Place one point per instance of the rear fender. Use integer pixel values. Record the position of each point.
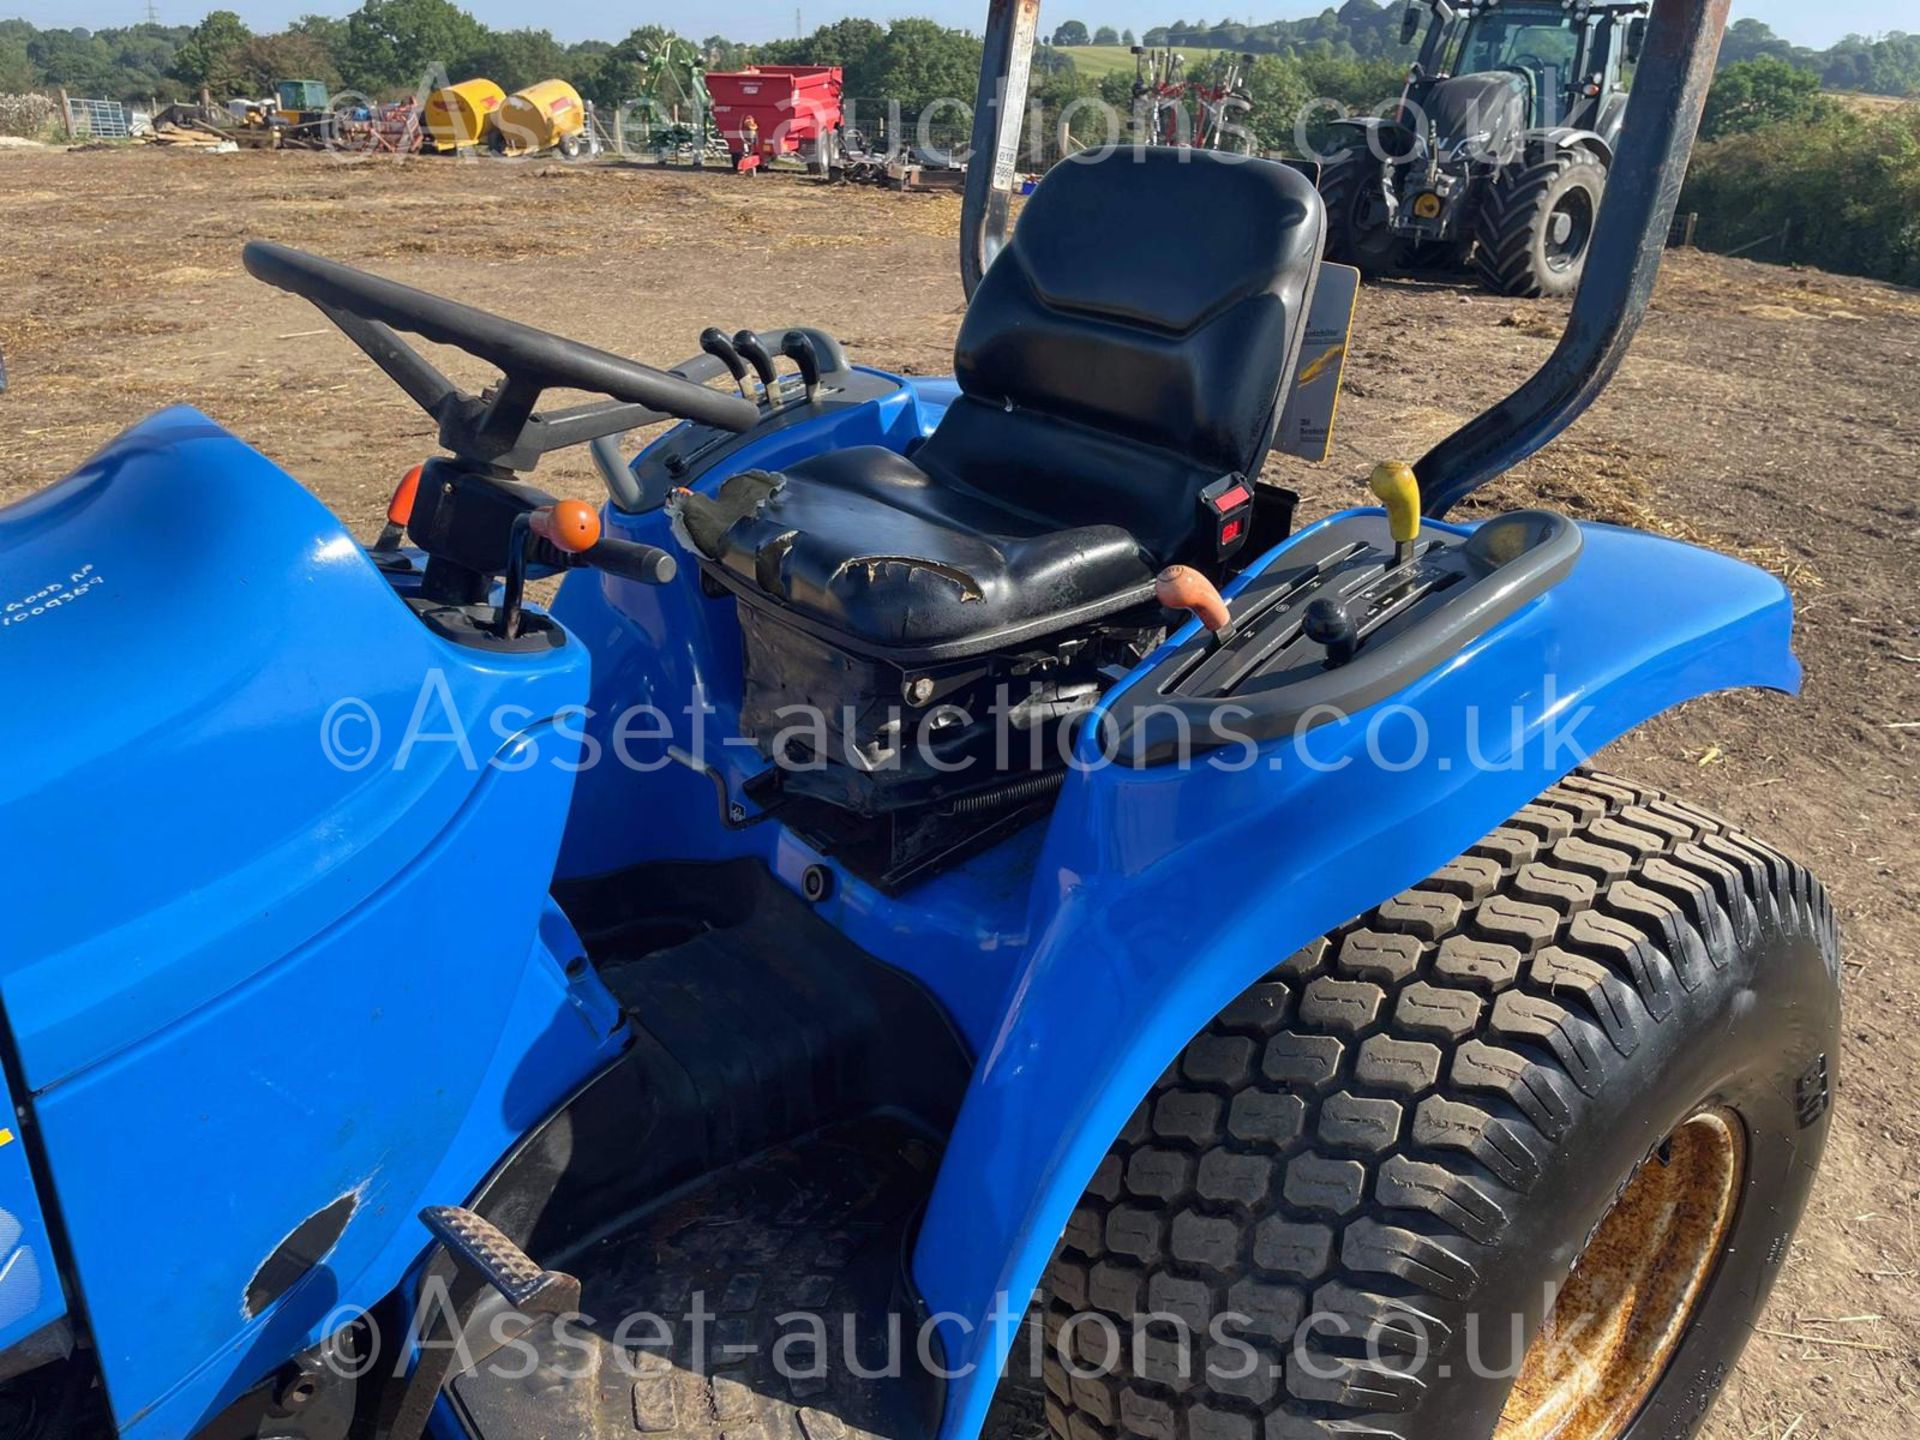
(1163, 892)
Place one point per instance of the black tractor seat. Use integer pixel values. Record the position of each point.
(872, 545)
(1108, 377)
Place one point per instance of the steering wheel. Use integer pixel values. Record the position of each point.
(499, 428)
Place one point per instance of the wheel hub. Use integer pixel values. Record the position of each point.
(1633, 1292)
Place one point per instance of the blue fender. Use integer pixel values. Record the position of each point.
(1161, 893)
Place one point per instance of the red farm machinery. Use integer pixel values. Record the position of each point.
(766, 112)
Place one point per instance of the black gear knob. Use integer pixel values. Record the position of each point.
(755, 354)
(797, 347)
(714, 341)
(1328, 623)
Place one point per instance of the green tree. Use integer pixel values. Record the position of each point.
(1753, 94)
(1838, 191)
(77, 60)
(392, 45)
(17, 72)
(854, 45)
(920, 62)
(515, 59)
(1751, 39)
(1071, 32)
(263, 61)
(326, 31)
(1126, 38)
(210, 58)
(142, 55)
(1106, 35)
(1280, 92)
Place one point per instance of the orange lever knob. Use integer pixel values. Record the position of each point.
(400, 507)
(569, 525)
(1181, 587)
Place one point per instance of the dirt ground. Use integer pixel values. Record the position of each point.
(1766, 412)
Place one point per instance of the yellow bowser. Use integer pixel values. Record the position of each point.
(460, 115)
(547, 116)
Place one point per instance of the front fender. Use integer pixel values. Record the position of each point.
(1405, 147)
(1572, 138)
(1163, 892)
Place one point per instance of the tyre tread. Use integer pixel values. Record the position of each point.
(1354, 1134)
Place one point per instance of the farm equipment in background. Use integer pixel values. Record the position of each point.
(392, 128)
(770, 112)
(459, 117)
(1498, 155)
(300, 102)
(1174, 107)
(547, 116)
(1158, 93)
(951, 843)
(1219, 94)
(677, 119)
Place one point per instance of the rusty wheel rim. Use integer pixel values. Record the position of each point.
(1634, 1291)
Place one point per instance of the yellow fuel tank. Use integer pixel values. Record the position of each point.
(459, 115)
(546, 116)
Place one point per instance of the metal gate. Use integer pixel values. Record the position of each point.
(99, 119)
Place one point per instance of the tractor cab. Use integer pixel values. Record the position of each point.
(1565, 59)
(299, 102)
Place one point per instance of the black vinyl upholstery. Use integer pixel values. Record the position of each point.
(1130, 346)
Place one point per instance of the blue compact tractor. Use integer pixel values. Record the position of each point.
(958, 918)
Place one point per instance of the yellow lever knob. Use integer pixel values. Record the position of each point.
(1397, 489)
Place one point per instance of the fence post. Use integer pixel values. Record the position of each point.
(66, 114)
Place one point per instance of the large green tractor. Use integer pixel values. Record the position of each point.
(1496, 154)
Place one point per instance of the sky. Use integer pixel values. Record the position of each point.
(1816, 25)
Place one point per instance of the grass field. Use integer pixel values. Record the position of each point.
(1099, 61)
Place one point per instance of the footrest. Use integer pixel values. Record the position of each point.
(483, 1253)
(689, 1302)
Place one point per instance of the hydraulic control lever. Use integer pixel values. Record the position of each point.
(714, 341)
(570, 530)
(755, 354)
(399, 510)
(1181, 587)
(798, 348)
(1396, 487)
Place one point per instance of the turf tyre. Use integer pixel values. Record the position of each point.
(1415, 1123)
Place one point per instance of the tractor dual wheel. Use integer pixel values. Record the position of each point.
(1516, 1154)
(1533, 234)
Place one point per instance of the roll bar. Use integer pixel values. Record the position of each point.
(999, 113)
(1643, 192)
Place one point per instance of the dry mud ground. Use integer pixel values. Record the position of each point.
(1767, 412)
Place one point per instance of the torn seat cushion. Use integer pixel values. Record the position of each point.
(867, 542)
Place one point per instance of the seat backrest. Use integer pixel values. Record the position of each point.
(1158, 296)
